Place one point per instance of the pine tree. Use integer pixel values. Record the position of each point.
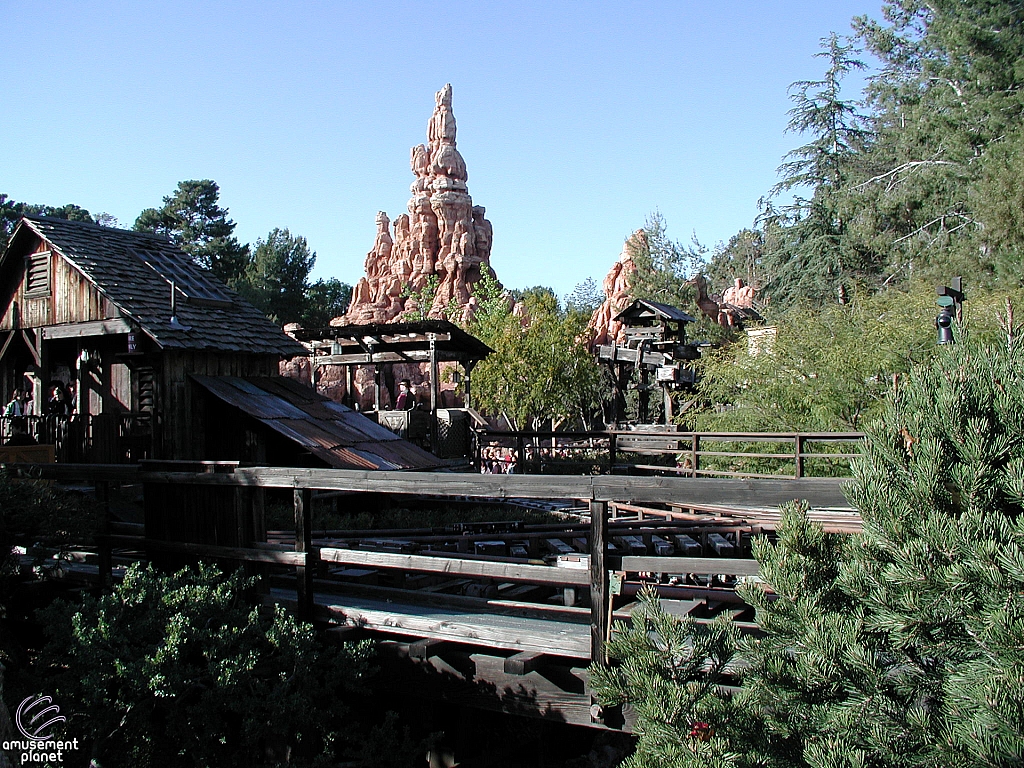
(900, 646)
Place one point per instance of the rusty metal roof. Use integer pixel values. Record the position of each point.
(330, 431)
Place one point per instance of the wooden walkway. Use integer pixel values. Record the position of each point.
(536, 603)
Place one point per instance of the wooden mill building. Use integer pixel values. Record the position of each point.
(123, 320)
(654, 346)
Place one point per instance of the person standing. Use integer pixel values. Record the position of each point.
(13, 413)
(405, 401)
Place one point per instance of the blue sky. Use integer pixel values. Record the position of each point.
(576, 119)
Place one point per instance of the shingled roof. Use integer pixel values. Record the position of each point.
(133, 271)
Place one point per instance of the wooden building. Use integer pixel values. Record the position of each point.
(654, 344)
(381, 346)
(122, 319)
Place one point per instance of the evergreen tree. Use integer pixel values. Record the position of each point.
(816, 260)
(663, 265)
(585, 298)
(325, 300)
(276, 278)
(193, 219)
(900, 646)
(11, 211)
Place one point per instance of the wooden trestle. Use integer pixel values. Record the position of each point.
(505, 615)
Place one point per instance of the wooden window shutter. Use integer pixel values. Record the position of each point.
(37, 274)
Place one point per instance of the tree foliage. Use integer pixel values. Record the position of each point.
(894, 647)
(192, 218)
(276, 279)
(915, 179)
(11, 211)
(185, 670)
(325, 300)
(541, 368)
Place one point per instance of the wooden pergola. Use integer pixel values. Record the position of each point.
(429, 342)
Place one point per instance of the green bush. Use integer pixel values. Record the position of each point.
(185, 670)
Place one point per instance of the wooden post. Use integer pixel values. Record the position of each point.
(105, 555)
(600, 600)
(303, 498)
(350, 386)
(695, 455)
(799, 452)
(611, 452)
(468, 368)
(434, 442)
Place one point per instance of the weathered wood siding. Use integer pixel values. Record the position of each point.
(75, 299)
(183, 429)
(70, 298)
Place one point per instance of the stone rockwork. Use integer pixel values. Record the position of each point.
(442, 235)
(604, 329)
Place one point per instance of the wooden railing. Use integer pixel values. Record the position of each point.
(597, 491)
(692, 454)
(117, 437)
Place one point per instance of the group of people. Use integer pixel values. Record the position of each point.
(495, 460)
(21, 406)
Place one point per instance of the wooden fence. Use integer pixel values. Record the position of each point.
(245, 484)
(692, 454)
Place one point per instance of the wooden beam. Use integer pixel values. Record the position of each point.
(732, 566)
(7, 343)
(434, 391)
(533, 574)
(627, 355)
(600, 599)
(522, 663)
(109, 327)
(681, 491)
(31, 347)
(412, 355)
(210, 550)
(424, 649)
(303, 502)
(513, 633)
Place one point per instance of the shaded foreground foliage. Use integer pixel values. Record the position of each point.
(900, 646)
(185, 669)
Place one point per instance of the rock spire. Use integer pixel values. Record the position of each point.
(604, 329)
(443, 234)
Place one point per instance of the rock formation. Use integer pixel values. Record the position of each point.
(733, 309)
(443, 234)
(603, 327)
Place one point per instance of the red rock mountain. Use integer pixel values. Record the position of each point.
(443, 234)
(603, 327)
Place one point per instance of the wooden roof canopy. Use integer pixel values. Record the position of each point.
(408, 342)
(645, 313)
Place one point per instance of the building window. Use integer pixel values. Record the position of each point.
(37, 274)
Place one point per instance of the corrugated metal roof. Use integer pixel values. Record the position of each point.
(109, 258)
(330, 431)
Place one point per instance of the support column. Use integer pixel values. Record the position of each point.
(434, 443)
(303, 499)
(599, 597)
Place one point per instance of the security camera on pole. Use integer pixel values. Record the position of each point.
(950, 300)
